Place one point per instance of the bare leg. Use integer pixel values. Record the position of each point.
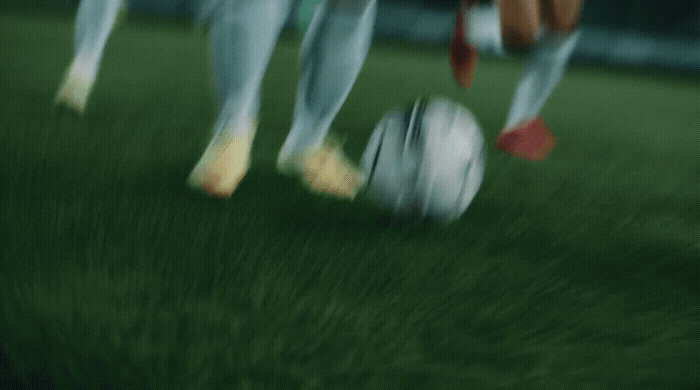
(520, 22)
(562, 16)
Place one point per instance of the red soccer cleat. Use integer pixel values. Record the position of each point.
(531, 140)
(463, 56)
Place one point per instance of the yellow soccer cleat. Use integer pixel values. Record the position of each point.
(80, 76)
(223, 164)
(75, 89)
(325, 169)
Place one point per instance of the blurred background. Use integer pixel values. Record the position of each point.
(662, 34)
(578, 272)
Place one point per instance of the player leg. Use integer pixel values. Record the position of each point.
(94, 23)
(243, 36)
(562, 16)
(520, 23)
(333, 52)
(525, 134)
(464, 55)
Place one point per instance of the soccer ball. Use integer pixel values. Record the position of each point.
(425, 160)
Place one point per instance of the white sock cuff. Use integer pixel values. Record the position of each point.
(483, 29)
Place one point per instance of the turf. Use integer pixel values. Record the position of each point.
(580, 272)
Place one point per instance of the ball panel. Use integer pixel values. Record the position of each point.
(370, 158)
(425, 160)
(449, 155)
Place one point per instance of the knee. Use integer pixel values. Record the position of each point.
(520, 23)
(563, 24)
(519, 39)
(562, 17)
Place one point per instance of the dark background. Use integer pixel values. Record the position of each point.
(669, 17)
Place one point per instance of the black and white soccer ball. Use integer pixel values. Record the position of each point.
(425, 160)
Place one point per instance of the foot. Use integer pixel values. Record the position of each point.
(75, 89)
(325, 169)
(223, 164)
(531, 140)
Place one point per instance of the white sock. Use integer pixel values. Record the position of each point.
(94, 23)
(333, 51)
(243, 37)
(541, 75)
(483, 29)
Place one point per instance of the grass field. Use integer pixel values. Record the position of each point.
(580, 272)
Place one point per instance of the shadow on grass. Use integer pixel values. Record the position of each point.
(607, 255)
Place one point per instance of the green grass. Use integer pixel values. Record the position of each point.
(580, 272)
